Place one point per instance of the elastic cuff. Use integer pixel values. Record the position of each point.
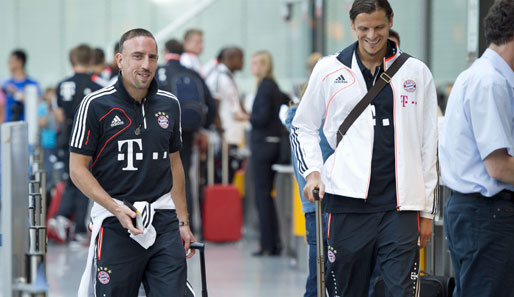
(426, 215)
(309, 171)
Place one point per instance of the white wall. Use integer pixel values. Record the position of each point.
(48, 29)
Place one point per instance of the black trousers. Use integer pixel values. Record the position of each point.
(264, 155)
(122, 264)
(357, 241)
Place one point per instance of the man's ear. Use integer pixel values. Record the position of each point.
(391, 20)
(119, 58)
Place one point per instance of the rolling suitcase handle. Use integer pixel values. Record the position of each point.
(224, 162)
(201, 247)
(319, 244)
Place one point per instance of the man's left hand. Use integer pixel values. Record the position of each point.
(187, 237)
(201, 140)
(425, 231)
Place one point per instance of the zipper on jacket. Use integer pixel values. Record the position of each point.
(140, 124)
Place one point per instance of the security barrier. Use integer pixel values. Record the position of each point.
(23, 233)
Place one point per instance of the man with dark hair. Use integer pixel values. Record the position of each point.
(101, 72)
(111, 71)
(193, 47)
(14, 88)
(193, 85)
(125, 156)
(379, 185)
(70, 92)
(232, 116)
(477, 164)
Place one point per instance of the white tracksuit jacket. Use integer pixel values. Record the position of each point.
(336, 85)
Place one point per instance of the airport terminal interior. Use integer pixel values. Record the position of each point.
(446, 35)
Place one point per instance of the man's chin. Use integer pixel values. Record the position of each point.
(372, 52)
(144, 84)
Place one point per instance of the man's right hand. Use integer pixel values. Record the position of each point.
(313, 182)
(125, 216)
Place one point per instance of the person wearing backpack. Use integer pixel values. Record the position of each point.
(196, 104)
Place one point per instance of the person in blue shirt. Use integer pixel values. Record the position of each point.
(477, 164)
(14, 88)
(48, 130)
(309, 209)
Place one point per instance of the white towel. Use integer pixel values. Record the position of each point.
(146, 240)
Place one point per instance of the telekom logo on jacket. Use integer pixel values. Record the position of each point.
(130, 152)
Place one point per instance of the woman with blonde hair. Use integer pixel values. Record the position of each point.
(265, 147)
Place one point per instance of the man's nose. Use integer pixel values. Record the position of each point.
(372, 33)
(146, 63)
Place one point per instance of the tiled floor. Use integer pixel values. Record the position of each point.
(231, 271)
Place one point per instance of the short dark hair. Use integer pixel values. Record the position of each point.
(192, 32)
(98, 56)
(20, 55)
(135, 33)
(229, 53)
(394, 34)
(174, 47)
(370, 6)
(117, 47)
(219, 57)
(499, 22)
(81, 55)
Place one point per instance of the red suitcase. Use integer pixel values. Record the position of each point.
(222, 218)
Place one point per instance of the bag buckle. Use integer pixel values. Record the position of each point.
(385, 77)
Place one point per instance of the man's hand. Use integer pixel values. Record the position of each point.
(201, 141)
(425, 231)
(125, 216)
(187, 237)
(313, 182)
(241, 116)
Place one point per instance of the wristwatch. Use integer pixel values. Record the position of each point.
(183, 223)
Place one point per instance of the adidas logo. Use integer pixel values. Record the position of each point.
(116, 122)
(340, 79)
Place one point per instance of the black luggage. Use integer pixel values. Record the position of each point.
(322, 291)
(431, 286)
(189, 290)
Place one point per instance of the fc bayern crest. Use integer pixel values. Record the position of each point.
(331, 256)
(409, 85)
(104, 277)
(163, 121)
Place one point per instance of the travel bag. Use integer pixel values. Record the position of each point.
(222, 218)
(189, 290)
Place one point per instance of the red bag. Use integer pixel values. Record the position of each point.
(222, 218)
(222, 213)
(56, 200)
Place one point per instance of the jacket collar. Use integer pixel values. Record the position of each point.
(346, 55)
(152, 90)
(173, 62)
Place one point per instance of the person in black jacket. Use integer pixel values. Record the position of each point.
(191, 134)
(265, 148)
(70, 93)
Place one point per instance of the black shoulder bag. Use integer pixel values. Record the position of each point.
(385, 78)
